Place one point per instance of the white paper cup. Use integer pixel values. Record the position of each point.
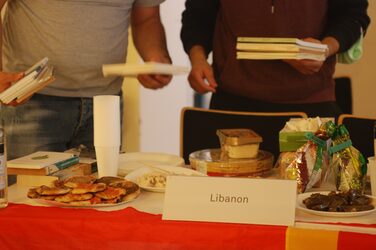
(107, 134)
(106, 120)
(372, 174)
(107, 161)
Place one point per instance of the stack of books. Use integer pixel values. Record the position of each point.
(45, 166)
(41, 163)
(35, 78)
(274, 48)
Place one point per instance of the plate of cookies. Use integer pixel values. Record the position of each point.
(86, 191)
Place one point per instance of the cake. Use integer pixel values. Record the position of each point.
(239, 143)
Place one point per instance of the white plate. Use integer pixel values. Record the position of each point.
(302, 207)
(62, 204)
(134, 175)
(129, 162)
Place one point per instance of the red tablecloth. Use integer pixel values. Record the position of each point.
(33, 227)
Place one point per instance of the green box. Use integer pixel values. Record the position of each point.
(291, 141)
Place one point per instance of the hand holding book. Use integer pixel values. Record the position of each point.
(6, 79)
(34, 79)
(275, 48)
(308, 67)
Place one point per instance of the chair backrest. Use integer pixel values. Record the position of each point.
(343, 94)
(361, 131)
(198, 128)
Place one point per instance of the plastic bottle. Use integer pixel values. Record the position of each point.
(3, 173)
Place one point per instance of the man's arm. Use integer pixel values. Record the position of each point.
(2, 3)
(149, 35)
(345, 20)
(150, 41)
(6, 79)
(198, 23)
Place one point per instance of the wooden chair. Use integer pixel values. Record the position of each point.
(361, 131)
(198, 128)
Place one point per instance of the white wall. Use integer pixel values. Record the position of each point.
(160, 110)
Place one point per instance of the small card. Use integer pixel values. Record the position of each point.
(233, 200)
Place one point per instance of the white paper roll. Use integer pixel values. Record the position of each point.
(106, 120)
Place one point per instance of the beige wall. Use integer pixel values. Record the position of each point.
(363, 72)
(131, 112)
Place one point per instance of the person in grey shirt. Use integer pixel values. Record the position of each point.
(78, 37)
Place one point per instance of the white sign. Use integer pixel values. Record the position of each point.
(234, 200)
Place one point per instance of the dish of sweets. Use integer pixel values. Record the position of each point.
(336, 204)
(153, 178)
(86, 191)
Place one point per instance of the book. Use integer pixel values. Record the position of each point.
(273, 48)
(41, 163)
(35, 78)
(278, 47)
(38, 180)
(133, 70)
(278, 56)
(281, 40)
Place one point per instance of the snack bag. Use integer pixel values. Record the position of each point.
(311, 159)
(347, 164)
(293, 136)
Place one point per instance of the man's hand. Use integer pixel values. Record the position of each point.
(150, 41)
(6, 79)
(201, 78)
(153, 81)
(305, 66)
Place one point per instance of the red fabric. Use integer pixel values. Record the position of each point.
(31, 227)
(352, 241)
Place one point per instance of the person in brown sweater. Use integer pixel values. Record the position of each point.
(269, 85)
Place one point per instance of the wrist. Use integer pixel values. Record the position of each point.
(159, 58)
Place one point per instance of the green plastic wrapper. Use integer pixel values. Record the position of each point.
(348, 166)
(353, 54)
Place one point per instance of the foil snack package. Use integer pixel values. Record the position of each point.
(311, 160)
(348, 166)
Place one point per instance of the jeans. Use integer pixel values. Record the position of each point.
(48, 123)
